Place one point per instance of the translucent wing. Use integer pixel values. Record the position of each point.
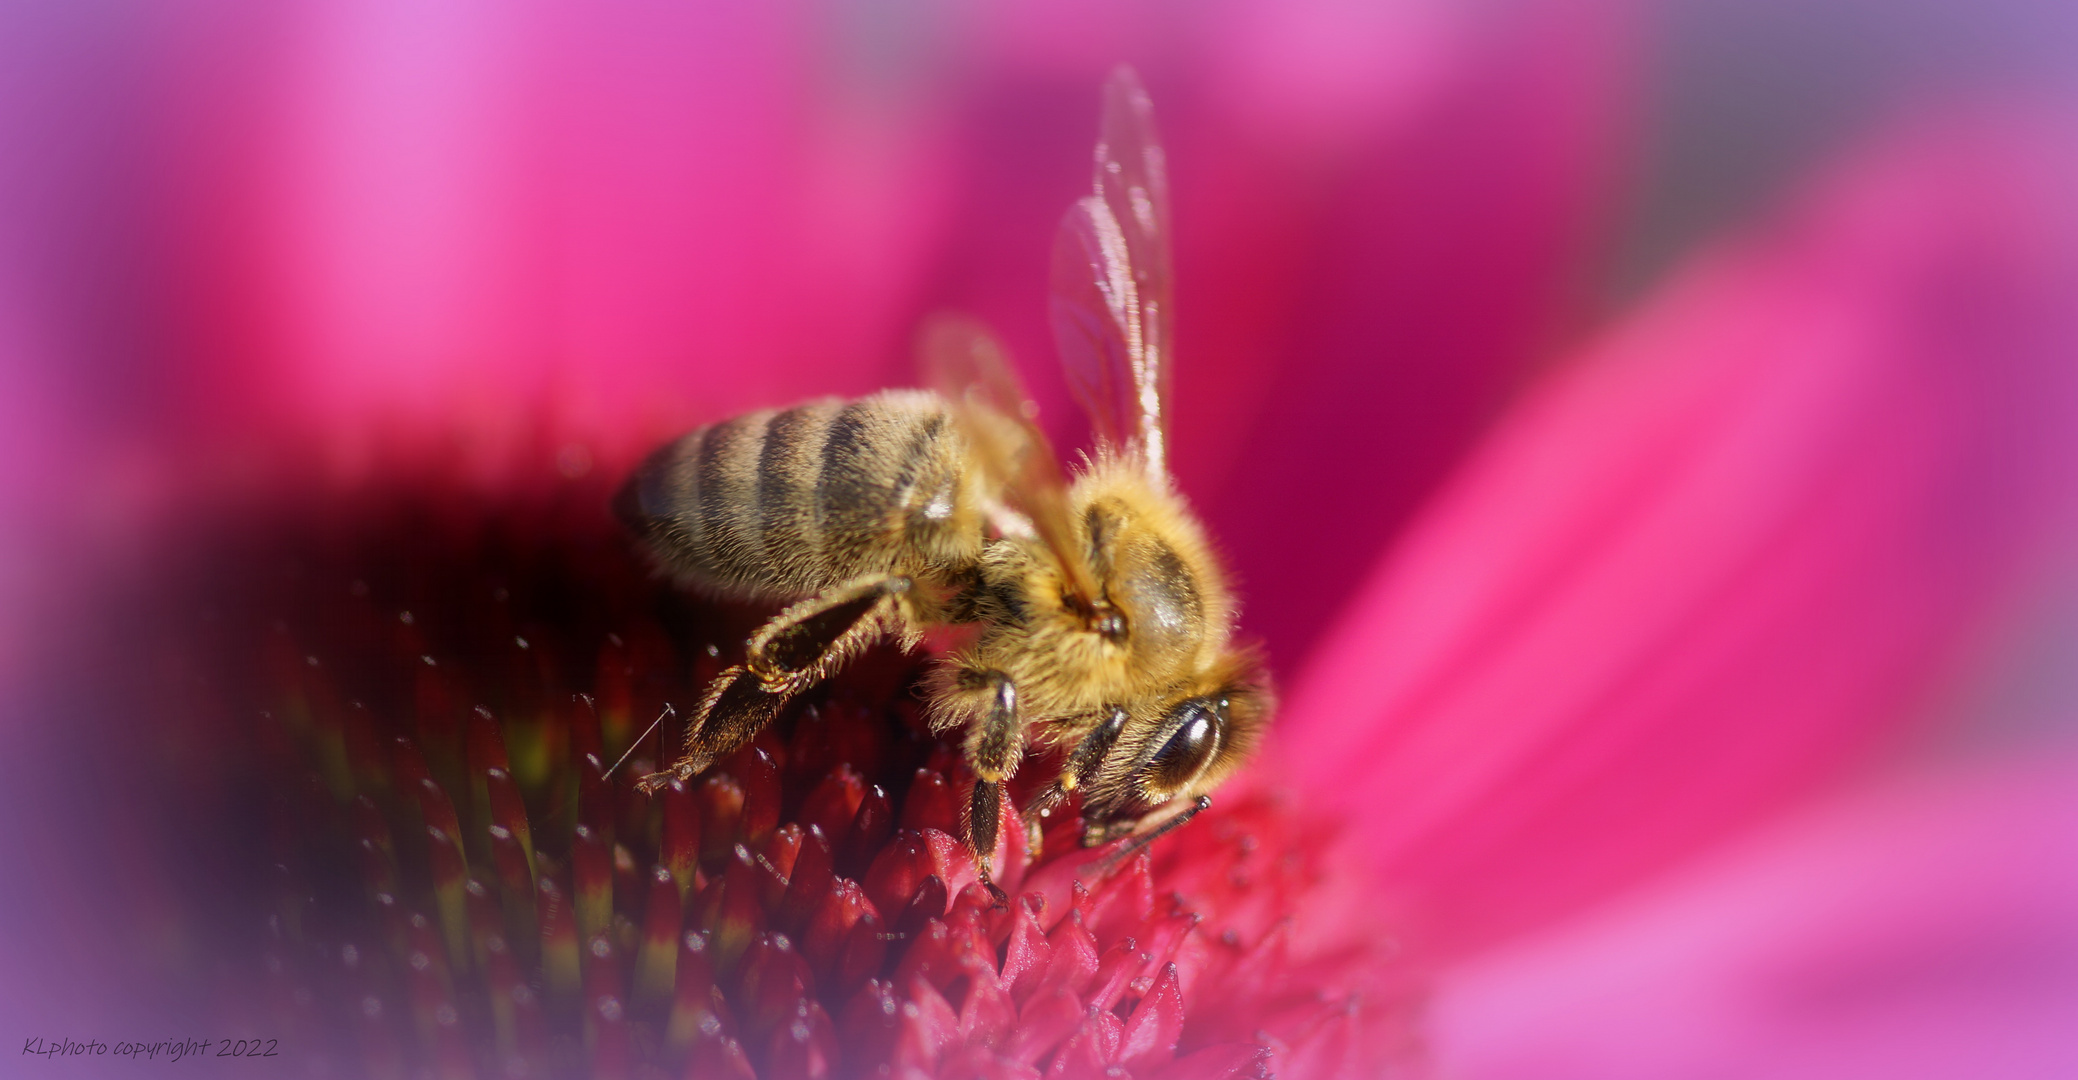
(1112, 274)
(966, 365)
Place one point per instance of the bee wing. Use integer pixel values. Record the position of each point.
(964, 363)
(1111, 289)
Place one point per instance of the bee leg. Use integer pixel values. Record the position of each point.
(1039, 809)
(735, 708)
(995, 740)
(797, 648)
(1081, 765)
(809, 641)
(1173, 822)
(984, 814)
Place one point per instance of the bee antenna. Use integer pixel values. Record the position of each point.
(668, 711)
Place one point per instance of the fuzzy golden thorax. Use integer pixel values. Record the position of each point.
(1163, 613)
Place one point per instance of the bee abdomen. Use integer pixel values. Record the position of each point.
(799, 500)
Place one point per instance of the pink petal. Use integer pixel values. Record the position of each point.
(1156, 1024)
(1366, 336)
(1713, 557)
(465, 215)
(1926, 927)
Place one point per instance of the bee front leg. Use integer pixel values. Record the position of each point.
(1081, 765)
(995, 741)
(809, 641)
(1153, 827)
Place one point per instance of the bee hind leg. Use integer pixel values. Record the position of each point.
(809, 641)
(736, 706)
(797, 648)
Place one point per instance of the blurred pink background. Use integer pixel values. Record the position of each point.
(1644, 431)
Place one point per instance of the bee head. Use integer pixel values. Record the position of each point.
(1185, 749)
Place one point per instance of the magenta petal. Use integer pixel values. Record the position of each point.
(1924, 928)
(1715, 555)
(1338, 355)
(470, 216)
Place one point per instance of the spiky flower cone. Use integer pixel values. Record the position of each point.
(466, 885)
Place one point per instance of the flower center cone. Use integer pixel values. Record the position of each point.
(442, 700)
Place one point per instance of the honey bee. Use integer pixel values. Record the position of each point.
(1105, 622)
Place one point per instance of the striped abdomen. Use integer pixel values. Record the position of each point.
(796, 501)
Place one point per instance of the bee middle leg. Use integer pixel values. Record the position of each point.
(995, 742)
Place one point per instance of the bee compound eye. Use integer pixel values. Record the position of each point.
(1189, 747)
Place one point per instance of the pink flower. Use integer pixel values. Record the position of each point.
(1729, 542)
(1706, 568)
(1916, 927)
(401, 289)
